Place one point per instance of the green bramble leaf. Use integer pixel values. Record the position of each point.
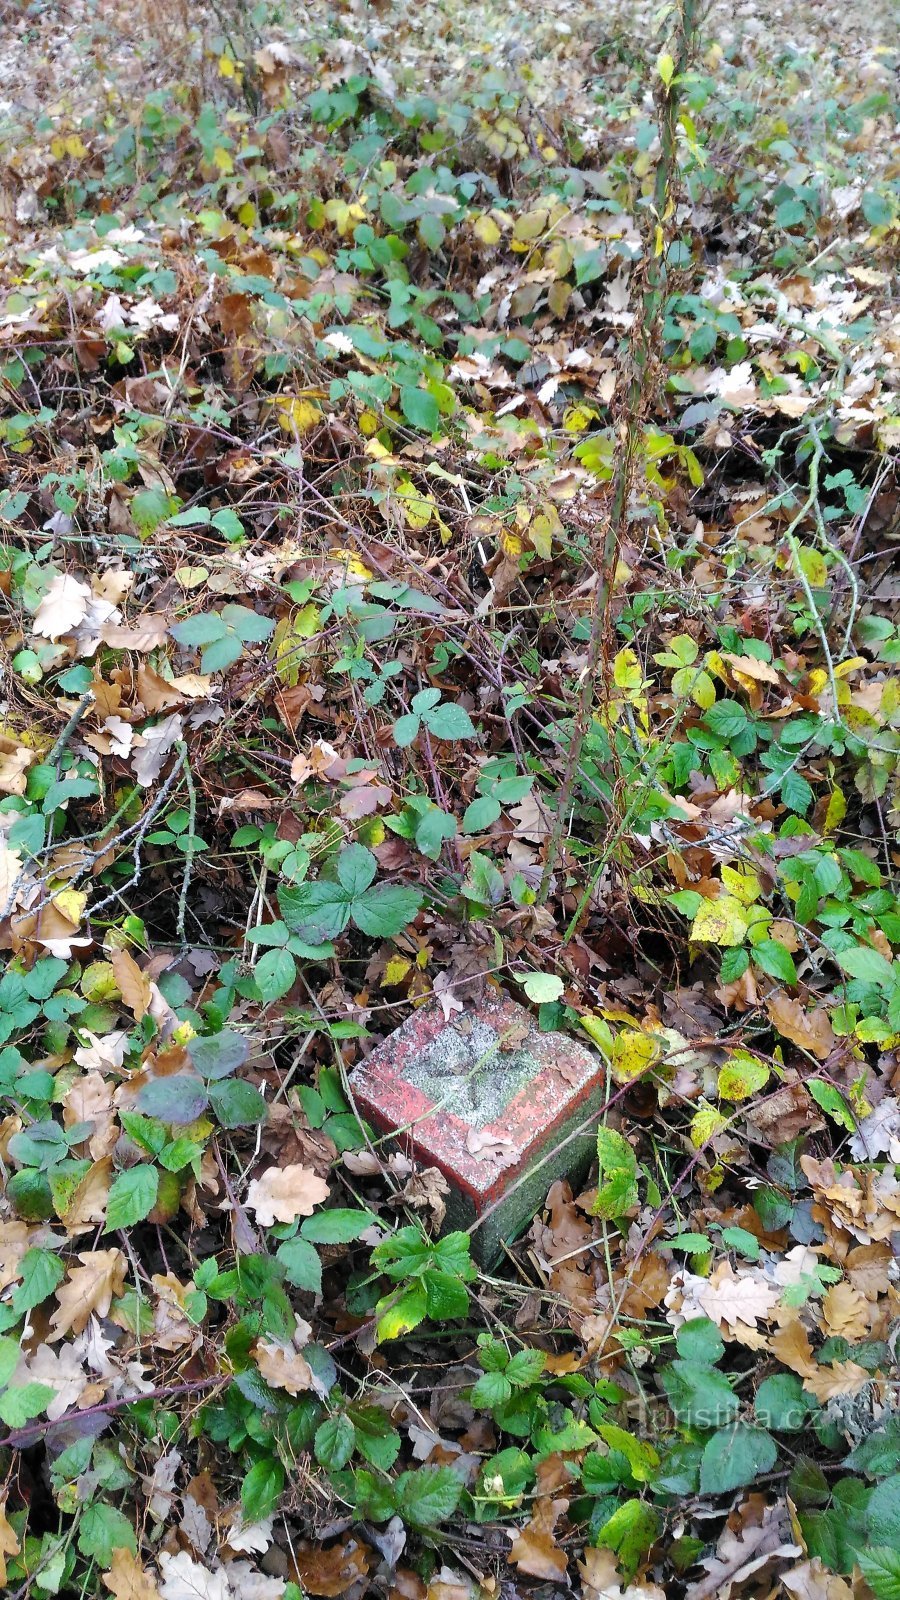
(131, 1197)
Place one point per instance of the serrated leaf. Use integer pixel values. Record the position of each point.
(735, 1456)
(274, 974)
(335, 1442)
(385, 910)
(428, 1496)
(132, 1197)
(338, 1226)
(261, 1490)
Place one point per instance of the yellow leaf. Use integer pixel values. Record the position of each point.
(543, 528)
(836, 811)
(223, 161)
(288, 639)
(395, 971)
(354, 567)
(530, 225)
(71, 903)
(706, 1122)
(743, 884)
(9, 1544)
(511, 544)
(742, 1076)
(633, 1052)
(227, 67)
(296, 415)
(722, 922)
(665, 66)
(599, 1030)
(627, 672)
(485, 229)
(418, 508)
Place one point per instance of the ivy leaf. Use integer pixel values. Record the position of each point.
(132, 1197)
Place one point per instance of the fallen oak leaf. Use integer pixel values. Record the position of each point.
(88, 1290)
(284, 1193)
(62, 608)
(282, 1366)
(810, 1030)
(126, 1578)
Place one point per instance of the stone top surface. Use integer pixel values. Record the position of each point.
(477, 1095)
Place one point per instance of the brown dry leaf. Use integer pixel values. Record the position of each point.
(14, 1240)
(810, 1581)
(133, 984)
(63, 607)
(534, 1549)
(790, 1344)
(127, 1579)
(747, 1544)
(283, 1367)
(486, 1146)
(90, 1100)
(329, 1572)
(88, 1290)
(87, 1205)
(284, 1193)
(9, 1544)
(600, 1579)
(425, 1191)
(144, 633)
(784, 1115)
(811, 1030)
(846, 1312)
(15, 759)
(731, 1300)
(844, 1377)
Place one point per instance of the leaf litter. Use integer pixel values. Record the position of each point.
(448, 543)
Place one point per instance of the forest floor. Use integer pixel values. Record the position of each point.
(449, 528)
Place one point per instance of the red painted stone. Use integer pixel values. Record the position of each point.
(485, 1097)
